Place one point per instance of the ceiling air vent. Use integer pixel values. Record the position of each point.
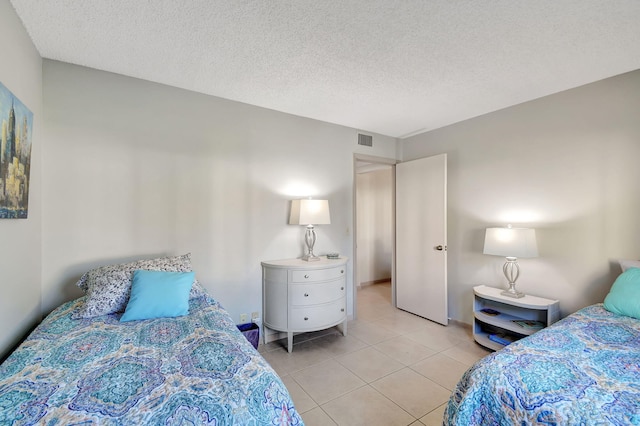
(365, 140)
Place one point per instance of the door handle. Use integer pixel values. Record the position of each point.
(441, 247)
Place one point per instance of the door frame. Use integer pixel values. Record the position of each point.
(377, 161)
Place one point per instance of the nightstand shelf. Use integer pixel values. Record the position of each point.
(505, 322)
(529, 308)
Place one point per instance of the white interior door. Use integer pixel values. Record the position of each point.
(421, 237)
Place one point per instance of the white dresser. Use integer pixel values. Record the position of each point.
(301, 296)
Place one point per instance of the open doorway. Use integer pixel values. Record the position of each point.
(418, 220)
(374, 233)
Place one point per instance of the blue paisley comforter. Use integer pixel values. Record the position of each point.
(196, 369)
(583, 370)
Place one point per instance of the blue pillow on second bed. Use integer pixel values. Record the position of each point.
(158, 294)
(624, 296)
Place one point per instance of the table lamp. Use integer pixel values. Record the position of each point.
(511, 243)
(310, 212)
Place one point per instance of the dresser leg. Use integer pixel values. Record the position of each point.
(343, 327)
(289, 341)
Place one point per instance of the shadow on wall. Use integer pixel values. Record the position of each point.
(599, 287)
(382, 256)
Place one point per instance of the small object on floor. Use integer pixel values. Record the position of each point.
(252, 333)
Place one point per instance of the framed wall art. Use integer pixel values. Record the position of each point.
(16, 122)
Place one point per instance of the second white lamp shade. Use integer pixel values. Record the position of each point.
(511, 242)
(310, 212)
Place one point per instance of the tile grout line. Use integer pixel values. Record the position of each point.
(376, 322)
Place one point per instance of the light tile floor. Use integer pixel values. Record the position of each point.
(392, 368)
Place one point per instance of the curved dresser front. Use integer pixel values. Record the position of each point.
(301, 296)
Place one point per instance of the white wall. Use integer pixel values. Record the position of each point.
(137, 169)
(375, 227)
(20, 258)
(567, 165)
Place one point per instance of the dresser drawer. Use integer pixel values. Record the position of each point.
(316, 317)
(315, 294)
(311, 275)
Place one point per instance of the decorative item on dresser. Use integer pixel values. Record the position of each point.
(500, 320)
(299, 296)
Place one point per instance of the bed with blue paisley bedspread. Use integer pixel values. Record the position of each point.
(197, 369)
(582, 370)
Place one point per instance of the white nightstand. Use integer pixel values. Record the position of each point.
(301, 296)
(510, 311)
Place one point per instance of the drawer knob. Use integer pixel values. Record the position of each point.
(342, 271)
(341, 288)
(306, 318)
(342, 310)
(306, 295)
(306, 275)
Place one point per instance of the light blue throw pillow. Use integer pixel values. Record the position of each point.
(158, 294)
(624, 296)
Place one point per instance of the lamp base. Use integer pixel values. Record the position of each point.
(310, 257)
(515, 294)
(310, 240)
(511, 272)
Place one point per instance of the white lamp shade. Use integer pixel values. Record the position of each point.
(310, 212)
(511, 242)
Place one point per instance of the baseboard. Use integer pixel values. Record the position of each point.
(460, 324)
(366, 283)
(273, 336)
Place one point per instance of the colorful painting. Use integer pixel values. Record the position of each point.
(15, 155)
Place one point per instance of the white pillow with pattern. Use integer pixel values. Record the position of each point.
(108, 287)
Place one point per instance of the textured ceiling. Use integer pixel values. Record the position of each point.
(396, 67)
